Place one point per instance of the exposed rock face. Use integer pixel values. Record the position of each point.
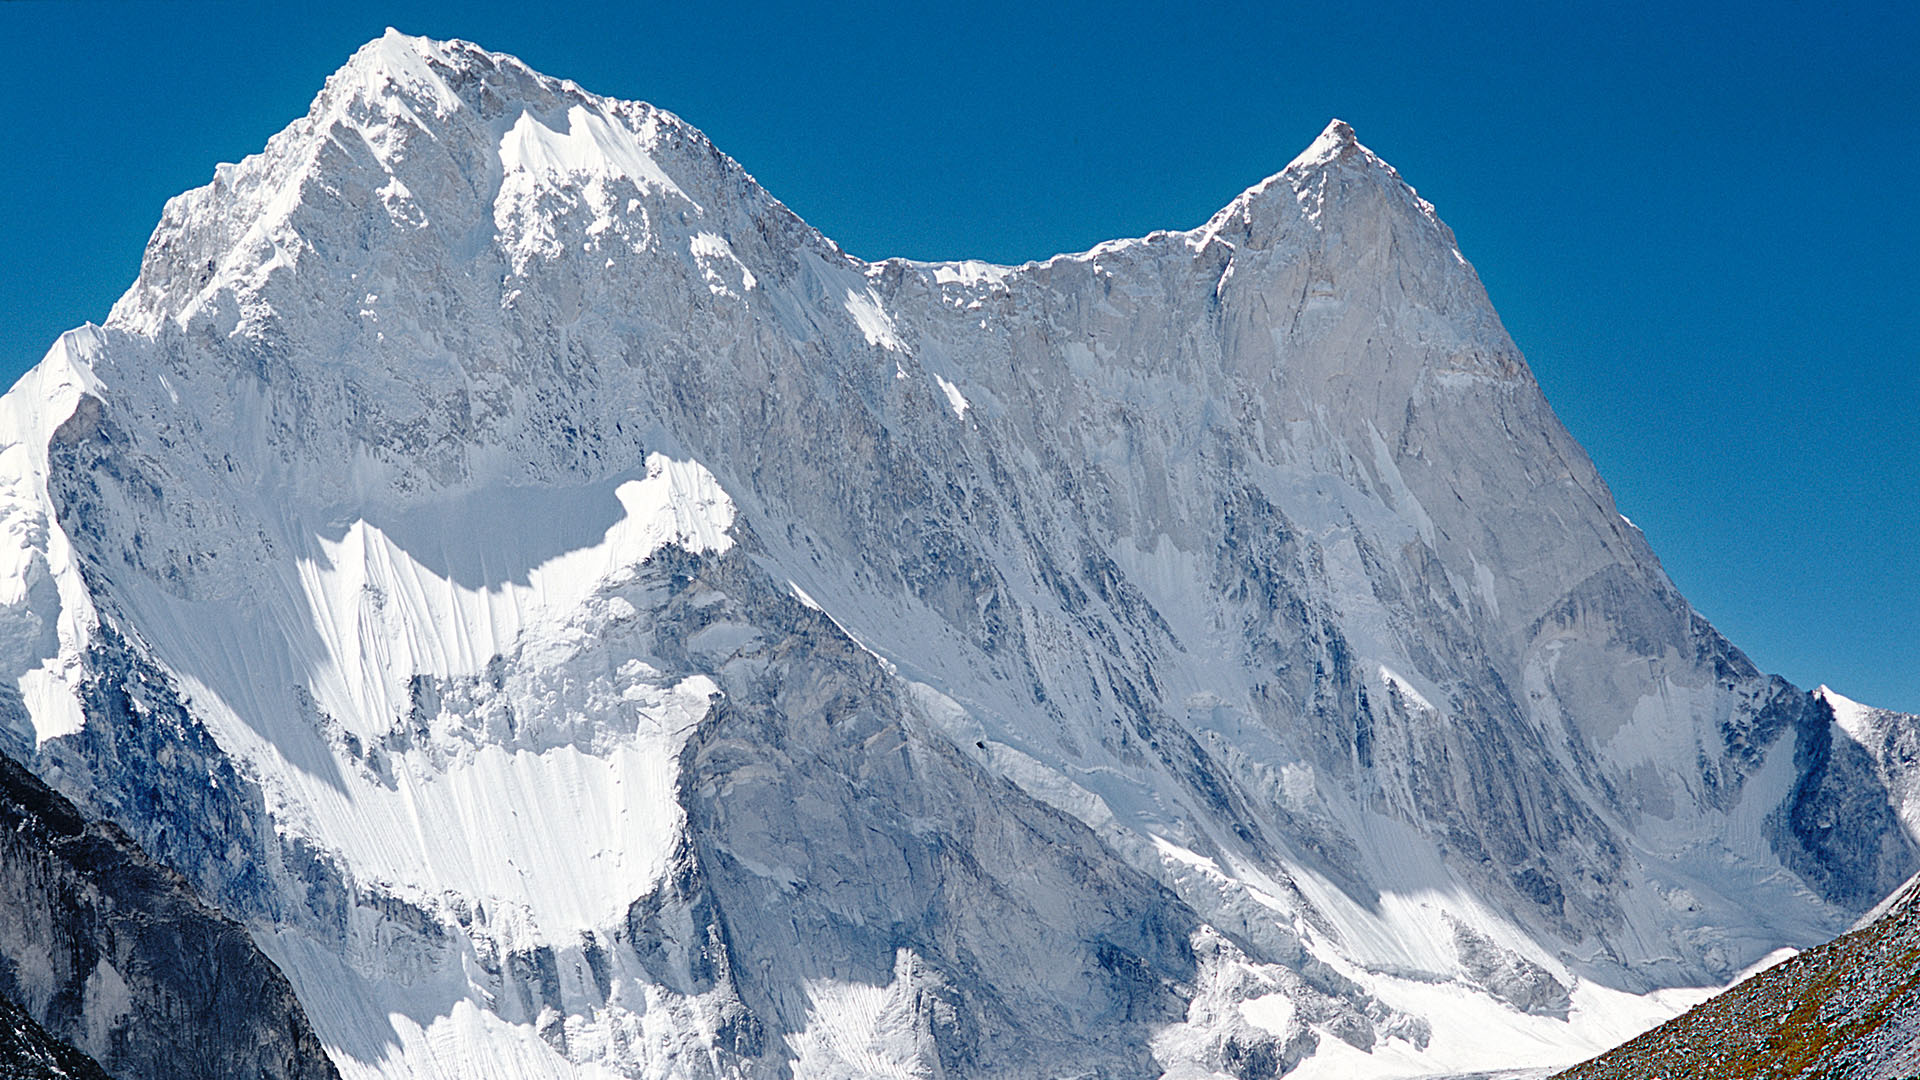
(29, 1052)
(103, 950)
(577, 617)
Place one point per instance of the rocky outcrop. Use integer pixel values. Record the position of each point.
(29, 1052)
(107, 951)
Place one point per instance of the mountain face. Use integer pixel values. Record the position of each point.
(583, 623)
(1848, 1010)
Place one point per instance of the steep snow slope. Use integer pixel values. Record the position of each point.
(586, 624)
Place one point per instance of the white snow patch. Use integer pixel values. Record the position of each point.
(592, 145)
(955, 400)
(709, 248)
(708, 245)
(1854, 718)
(46, 613)
(470, 1041)
(971, 273)
(400, 204)
(858, 1030)
(1773, 959)
(949, 714)
(1472, 1031)
(1394, 681)
(548, 175)
(52, 701)
(568, 824)
(426, 622)
(1183, 855)
(874, 322)
(1271, 1012)
(569, 836)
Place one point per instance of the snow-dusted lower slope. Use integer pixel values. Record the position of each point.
(586, 624)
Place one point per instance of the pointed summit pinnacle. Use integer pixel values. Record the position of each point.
(1336, 143)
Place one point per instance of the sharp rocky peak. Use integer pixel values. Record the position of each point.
(414, 135)
(1333, 187)
(1336, 143)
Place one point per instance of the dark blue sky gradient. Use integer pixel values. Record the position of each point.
(1700, 225)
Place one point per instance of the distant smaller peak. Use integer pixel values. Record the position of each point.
(1335, 145)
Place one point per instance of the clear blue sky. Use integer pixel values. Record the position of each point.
(1700, 224)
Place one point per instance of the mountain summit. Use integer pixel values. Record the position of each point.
(1335, 143)
(583, 623)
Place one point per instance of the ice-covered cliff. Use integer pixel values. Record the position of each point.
(585, 624)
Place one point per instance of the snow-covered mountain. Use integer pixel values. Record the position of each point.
(586, 624)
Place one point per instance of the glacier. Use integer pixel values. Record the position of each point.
(583, 623)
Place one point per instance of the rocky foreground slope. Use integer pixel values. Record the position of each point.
(1847, 1010)
(583, 623)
